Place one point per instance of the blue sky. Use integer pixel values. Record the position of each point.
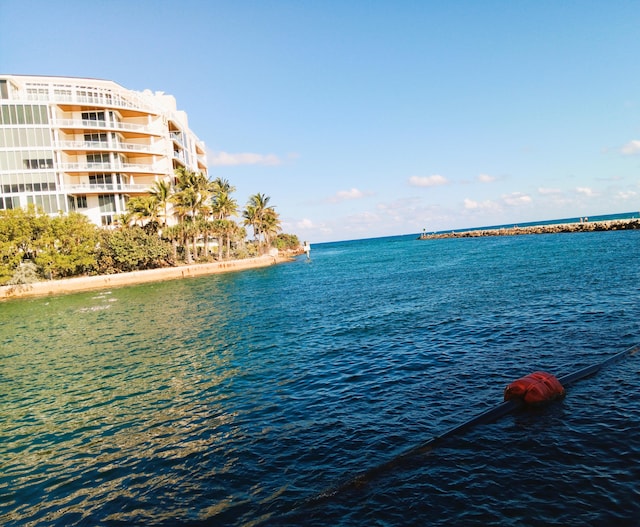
(363, 119)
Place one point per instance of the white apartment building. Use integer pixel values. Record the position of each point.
(88, 145)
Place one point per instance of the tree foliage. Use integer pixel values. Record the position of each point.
(68, 246)
(262, 218)
(34, 245)
(132, 249)
(286, 242)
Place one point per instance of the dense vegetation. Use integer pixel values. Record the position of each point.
(182, 223)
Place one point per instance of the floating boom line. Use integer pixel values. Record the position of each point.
(485, 417)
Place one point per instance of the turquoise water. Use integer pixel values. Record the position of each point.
(248, 398)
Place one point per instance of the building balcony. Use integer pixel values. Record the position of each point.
(177, 138)
(113, 188)
(83, 146)
(106, 100)
(81, 125)
(128, 168)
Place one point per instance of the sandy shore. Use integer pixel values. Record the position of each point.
(612, 225)
(88, 283)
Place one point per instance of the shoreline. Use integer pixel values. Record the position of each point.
(609, 225)
(91, 283)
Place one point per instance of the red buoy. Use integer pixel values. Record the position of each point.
(535, 389)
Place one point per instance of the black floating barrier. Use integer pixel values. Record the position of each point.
(486, 417)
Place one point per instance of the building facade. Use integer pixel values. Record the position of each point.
(88, 145)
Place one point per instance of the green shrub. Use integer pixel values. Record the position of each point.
(132, 249)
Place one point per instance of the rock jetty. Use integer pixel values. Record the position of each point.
(586, 226)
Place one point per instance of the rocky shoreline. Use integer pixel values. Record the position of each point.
(587, 226)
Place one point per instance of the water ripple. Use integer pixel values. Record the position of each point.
(250, 398)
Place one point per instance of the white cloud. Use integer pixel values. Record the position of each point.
(486, 178)
(427, 181)
(305, 223)
(549, 191)
(517, 198)
(586, 191)
(488, 205)
(632, 147)
(630, 194)
(245, 158)
(345, 195)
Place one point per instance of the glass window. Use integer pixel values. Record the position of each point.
(100, 179)
(95, 138)
(62, 92)
(23, 114)
(9, 203)
(107, 203)
(38, 163)
(28, 114)
(44, 117)
(106, 220)
(98, 158)
(93, 116)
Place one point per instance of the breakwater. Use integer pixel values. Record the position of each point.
(587, 226)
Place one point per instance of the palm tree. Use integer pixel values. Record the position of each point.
(123, 220)
(197, 189)
(191, 201)
(143, 209)
(254, 213)
(208, 229)
(188, 232)
(239, 235)
(218, 230)
(173, 233)
(223, 206)
(161, 192)
(250, 219)
(222, 186)
(271, 225)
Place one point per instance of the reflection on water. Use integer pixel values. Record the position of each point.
(238, 399)
(96, 386)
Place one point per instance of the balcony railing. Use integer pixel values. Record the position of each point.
(93, 125)
(108, 167)
(200, 148)
(106, 188)
(107, 100)
(101, 145)
(177, 137)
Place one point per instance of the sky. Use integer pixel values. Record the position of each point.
(362, 119)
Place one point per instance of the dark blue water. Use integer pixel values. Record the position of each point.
(249, 398)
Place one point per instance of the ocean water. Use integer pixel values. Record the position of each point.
(258, 397)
